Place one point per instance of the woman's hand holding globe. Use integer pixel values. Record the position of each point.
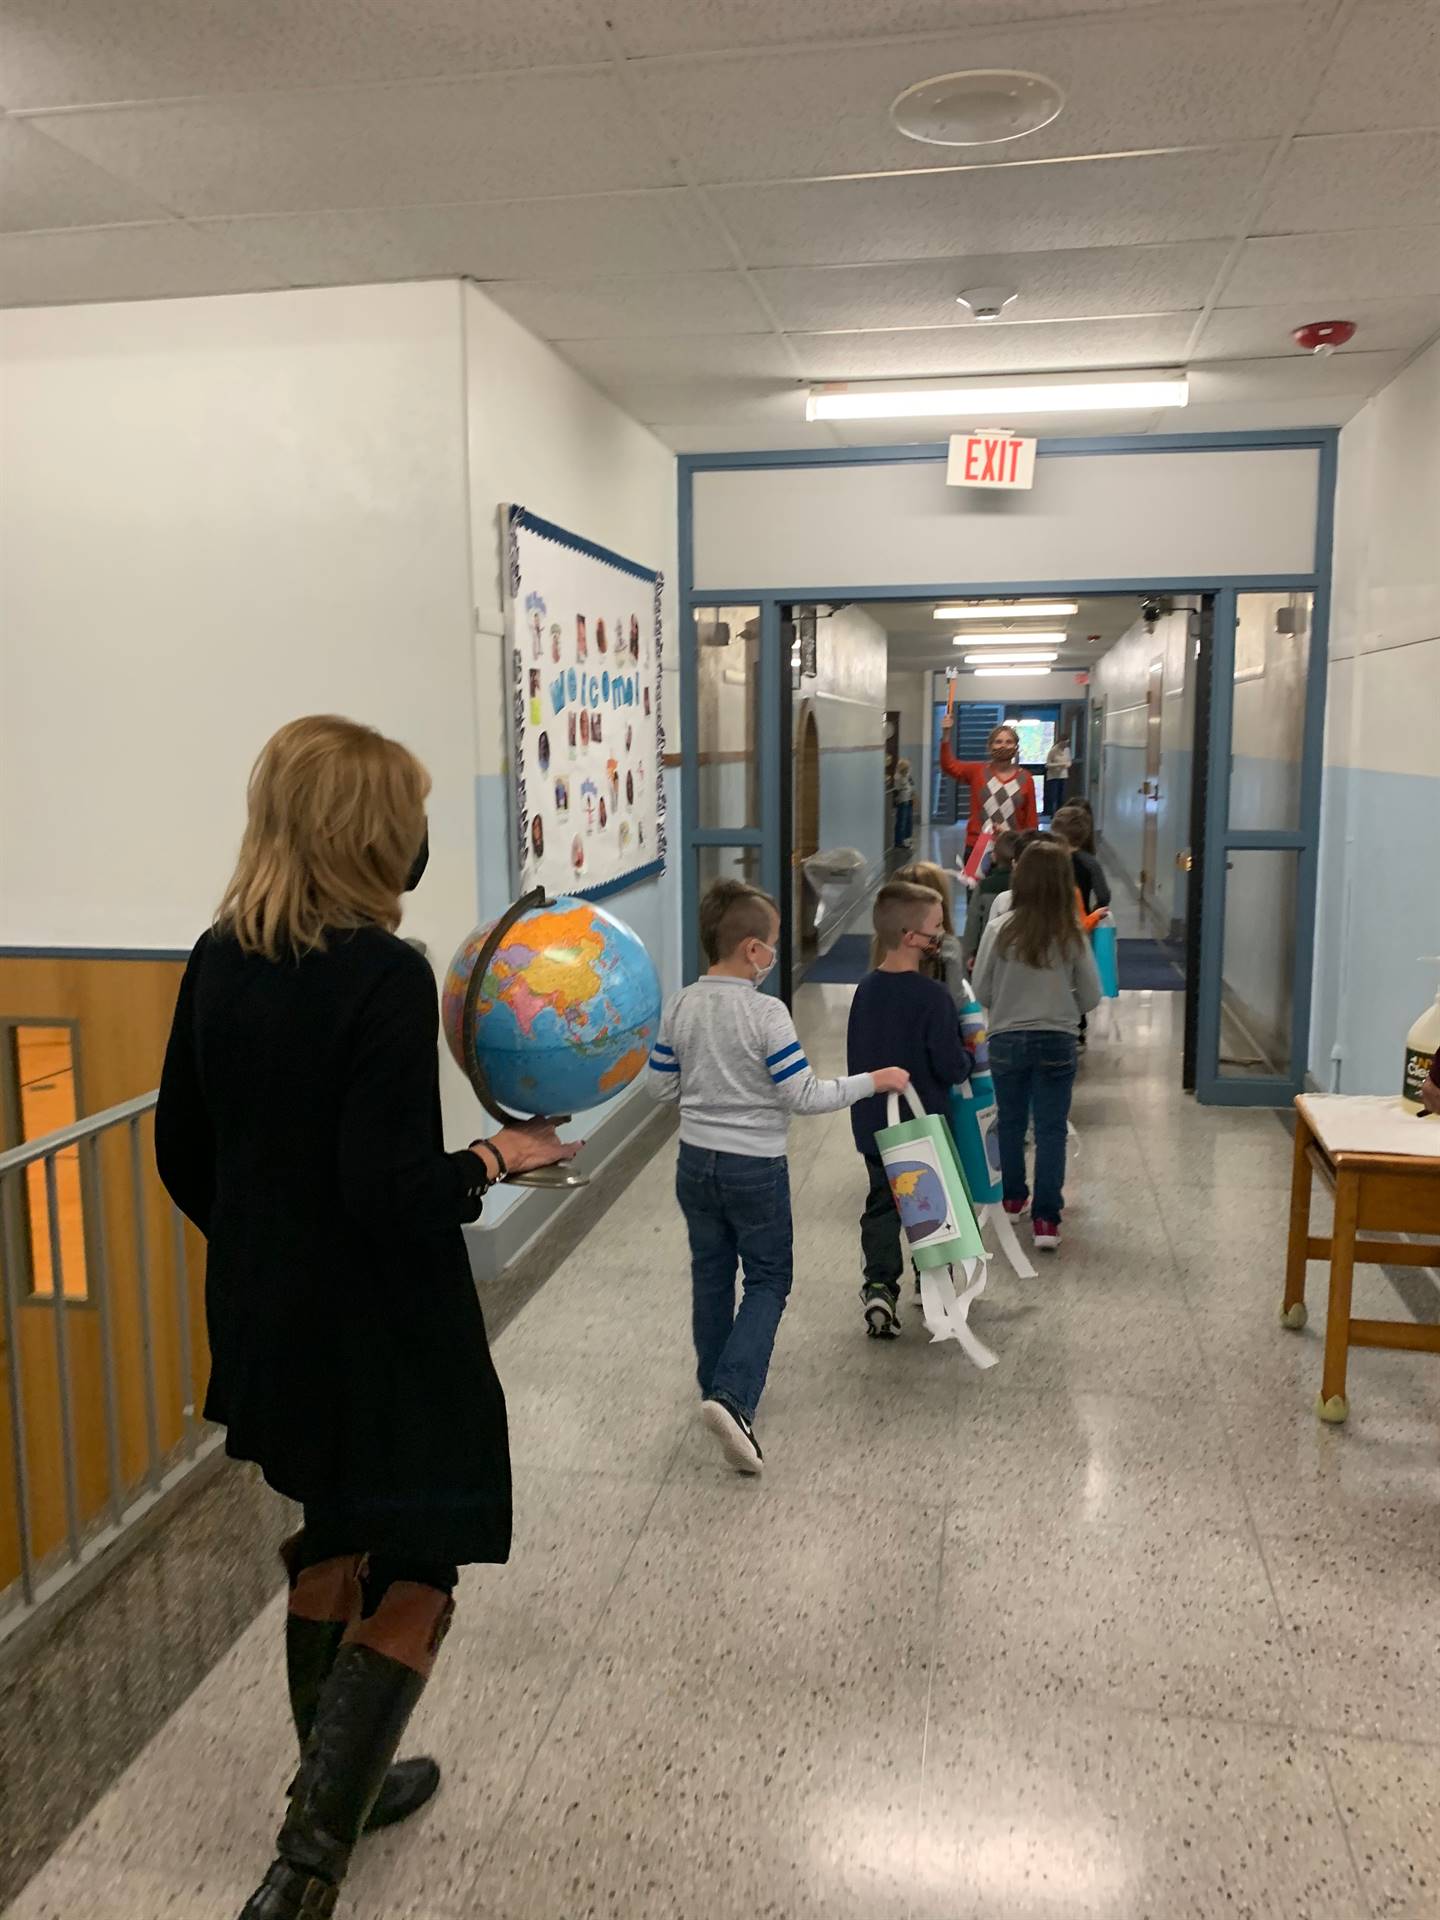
(535, 1144)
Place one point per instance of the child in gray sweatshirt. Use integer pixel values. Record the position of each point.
(731, 1059)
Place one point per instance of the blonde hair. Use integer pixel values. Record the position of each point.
(731, 913)
(336, 820)
(919, 873)
(900, 908)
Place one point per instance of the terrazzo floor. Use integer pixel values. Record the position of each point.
(1117, 1629)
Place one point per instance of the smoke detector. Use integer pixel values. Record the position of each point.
(1324, 336)
(985, 303)
(980, 108)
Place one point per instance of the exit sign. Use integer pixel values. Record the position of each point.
(990, 460)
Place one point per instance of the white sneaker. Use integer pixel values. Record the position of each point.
(735, 1434)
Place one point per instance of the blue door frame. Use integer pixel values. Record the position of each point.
(1220, 839)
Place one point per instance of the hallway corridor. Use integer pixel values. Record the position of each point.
(1116, 1630)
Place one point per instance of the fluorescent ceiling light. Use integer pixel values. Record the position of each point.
(1004, 673)
(1002, 610)
(985, 659)
(990, 403)
(1008, 640)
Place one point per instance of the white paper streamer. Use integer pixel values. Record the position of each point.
(1106, 1021)
(1009, 1243)
(947, 1314)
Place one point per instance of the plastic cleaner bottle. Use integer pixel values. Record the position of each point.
(1421, 1045)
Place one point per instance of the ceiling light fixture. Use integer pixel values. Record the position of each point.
(1005, 673)
(985, 659)
(981, 402)
(1008, 640)
(978, 108)
(1006, 610)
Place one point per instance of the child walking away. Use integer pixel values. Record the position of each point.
(948, 964)
(996, 881)
(1036, 975)
(1074, 826)
(732, 1060)
(904, 791)
(899, 1013)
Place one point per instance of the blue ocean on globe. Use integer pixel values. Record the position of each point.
(567, 1012)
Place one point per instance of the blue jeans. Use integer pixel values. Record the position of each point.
(737, 1211)
(904, 821)
(1033, 1072)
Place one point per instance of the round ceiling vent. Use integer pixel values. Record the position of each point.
(977, 109)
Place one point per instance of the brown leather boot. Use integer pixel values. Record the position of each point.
(324, 1600)
(379, 1674)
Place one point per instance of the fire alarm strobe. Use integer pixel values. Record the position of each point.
(1323, 336)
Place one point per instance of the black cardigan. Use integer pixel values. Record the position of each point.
(299, 1128)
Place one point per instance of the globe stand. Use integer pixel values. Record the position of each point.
(552, 1177)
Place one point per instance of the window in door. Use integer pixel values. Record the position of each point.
(40, 1097)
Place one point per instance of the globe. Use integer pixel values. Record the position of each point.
(567, 1011)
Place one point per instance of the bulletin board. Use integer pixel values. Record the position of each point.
(587, 739)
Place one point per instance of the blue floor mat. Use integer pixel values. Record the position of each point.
(1148, 965)
(845, 965)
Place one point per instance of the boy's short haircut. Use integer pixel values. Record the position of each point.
(901, 908)
(1004, 848)
(1071, 826)
(731, 912)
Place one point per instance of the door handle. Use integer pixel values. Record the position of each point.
(1185, 861)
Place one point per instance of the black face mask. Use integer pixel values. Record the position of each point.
(419, 864)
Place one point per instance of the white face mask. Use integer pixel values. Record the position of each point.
(765, 972)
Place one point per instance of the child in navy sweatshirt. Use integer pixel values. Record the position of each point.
(899, 1014)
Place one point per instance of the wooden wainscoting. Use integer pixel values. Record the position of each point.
(116, 1013)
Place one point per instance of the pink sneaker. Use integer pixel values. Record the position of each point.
(1047, 1235)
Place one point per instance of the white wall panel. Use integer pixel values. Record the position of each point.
(1161, 516)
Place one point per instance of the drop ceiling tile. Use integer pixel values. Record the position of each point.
(518, 135)
(1077, 284)
(499, 240)
(1337, 181)
(1238, 333)
(637, 307)
(44, 185)
(1051, 346)
(661, 26)
(68, 52)
(1330, 269)
(1297, 377)
(1386, 71)
(701, 357)
(1092, 203)
(1150, 81)
(121, 263)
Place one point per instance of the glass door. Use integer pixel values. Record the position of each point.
(1262, 824)
(729, 690)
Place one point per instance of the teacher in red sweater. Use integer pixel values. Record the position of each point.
(1002, 794)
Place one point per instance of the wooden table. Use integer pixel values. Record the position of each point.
(1386, 1179)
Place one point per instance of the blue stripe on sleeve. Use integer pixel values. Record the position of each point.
(664, 1066)
(797, 1066)
(660, 1047)
(774, 1059)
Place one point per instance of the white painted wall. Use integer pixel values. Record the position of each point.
(542, 437)
(217, 514)
(908, 694)
(1153, 516)
(847, 697)
(1378, 906)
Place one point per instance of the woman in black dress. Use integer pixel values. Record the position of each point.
(299, 1128)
